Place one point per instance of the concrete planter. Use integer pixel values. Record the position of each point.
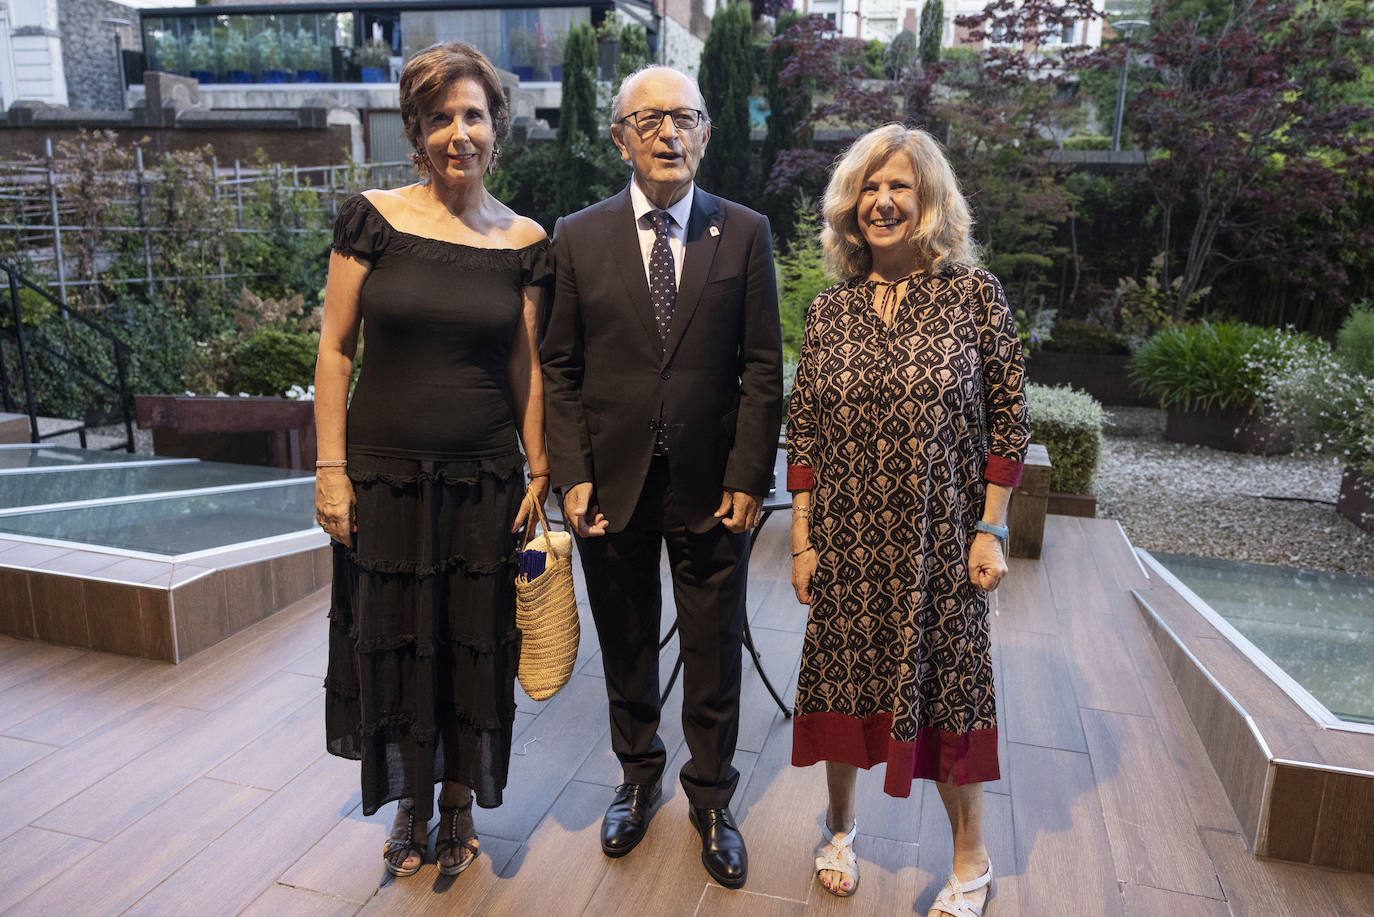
(278, 432)
(1102, 375)
(1229, 431)
(1356, 501)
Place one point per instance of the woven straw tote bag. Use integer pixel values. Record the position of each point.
(546, 614)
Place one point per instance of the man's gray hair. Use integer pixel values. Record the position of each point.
(617, 114)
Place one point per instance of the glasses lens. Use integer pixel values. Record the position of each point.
(648, 119)
(686, 119)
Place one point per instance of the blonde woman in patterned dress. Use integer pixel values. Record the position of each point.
(906, 434)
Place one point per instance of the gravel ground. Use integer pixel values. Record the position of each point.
(1193, 500)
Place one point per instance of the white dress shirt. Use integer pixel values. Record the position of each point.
(678, 215)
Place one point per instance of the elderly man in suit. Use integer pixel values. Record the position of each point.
(663, 385)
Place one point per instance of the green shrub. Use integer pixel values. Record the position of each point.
(1355, 340)
(1069, 424)
(1327, 406)
(1205, 367)
(1076, 335)
(801, 278)
(270, 361)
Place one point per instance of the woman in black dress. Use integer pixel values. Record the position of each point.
(906, 433)
(420, 481)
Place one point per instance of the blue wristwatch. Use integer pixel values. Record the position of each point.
(999, 530)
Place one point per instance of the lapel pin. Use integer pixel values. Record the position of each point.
(715, 231)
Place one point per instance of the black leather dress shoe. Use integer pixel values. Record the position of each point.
(722, 846)
(628, 816)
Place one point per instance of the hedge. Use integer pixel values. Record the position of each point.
(1069, 424)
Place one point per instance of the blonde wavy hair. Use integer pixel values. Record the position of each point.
(941, 235)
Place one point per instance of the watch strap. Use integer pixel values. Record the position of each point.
(999, 530)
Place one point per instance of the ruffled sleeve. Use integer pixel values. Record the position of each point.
(536, 265)
(359, 231)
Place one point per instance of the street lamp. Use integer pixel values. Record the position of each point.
(1124, 26)
(119, 56)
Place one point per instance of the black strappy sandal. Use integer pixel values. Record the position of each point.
(456, 836)
(400, 849)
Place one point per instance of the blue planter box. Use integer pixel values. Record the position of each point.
(274, 76)
(309, 76)
(373, 75)
(203, 76)
(240, 76)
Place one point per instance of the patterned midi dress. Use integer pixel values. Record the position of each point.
(896, 429)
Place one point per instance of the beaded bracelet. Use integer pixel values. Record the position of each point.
(331, 463)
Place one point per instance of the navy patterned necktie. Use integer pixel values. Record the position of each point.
(662, 275)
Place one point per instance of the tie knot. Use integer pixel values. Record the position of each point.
(658, 219)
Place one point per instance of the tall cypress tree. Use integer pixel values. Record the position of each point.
(788, 106)
(932, 30)
(727, 75)
(577, 127)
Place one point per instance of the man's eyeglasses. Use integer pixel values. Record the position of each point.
(649, 120)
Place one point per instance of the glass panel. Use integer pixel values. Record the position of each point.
(526, 42)
(37, 489)
(69, 456)
(1318, 627)
(178, 525)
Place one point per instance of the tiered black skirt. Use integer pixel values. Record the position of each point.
(423, 647)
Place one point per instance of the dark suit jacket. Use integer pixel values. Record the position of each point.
(717, 381)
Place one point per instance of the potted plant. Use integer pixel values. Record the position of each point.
(608, 43)
(305, 57)
(167, 48)
(233, 57)
(1210, 378)
(520, 49)
(268, 51)
(200, 57)
(373, 59)
(1069, 424)
(1090, 356)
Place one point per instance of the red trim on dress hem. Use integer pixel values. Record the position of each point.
(1003, 470)
(800, 477)
(937, 754)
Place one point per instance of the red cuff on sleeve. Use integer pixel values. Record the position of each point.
(1001, 470)
(800, 477)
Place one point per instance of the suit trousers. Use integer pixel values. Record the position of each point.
(709, 574)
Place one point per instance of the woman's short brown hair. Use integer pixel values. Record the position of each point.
(431, 72)
(941, 235)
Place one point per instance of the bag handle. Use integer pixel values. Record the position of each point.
(532, 531)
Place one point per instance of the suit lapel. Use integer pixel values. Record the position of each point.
(703, 236)
(623, 250)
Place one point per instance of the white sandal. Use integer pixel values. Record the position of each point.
(838, 856)
(951, 899)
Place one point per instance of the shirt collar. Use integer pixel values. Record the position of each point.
(680, 212)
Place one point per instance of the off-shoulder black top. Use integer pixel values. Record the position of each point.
(438, 321)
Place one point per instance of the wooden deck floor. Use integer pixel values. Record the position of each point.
(202, 789)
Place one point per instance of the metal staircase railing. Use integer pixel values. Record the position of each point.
(25, 342)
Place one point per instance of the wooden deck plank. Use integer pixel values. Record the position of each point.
(779, 815)
(314, 661)
(1024, 601)
(347, 863)
(1154, 840)
(780, 651)
(17, 754)
(106, 808)
(243, 862)
(34, 696)
(27, 659)
(1259, 888)
(889, 880)
(1112, 554)
(87, 711)
(558, 870)
(935, 854)
(1073, 574)
(273, 759)
(280, 900)
(722, 902)
(27, 795)
(428, 893)
(554, 747)
(129, 866)
(1099, 662)
(1039, 707)
(1143, 901)
(33, 857)
(1061, 841)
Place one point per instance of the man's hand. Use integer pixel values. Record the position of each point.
(739, 511)
(583, 515)
(986, 565)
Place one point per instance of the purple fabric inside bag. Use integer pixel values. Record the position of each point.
(532, 562)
